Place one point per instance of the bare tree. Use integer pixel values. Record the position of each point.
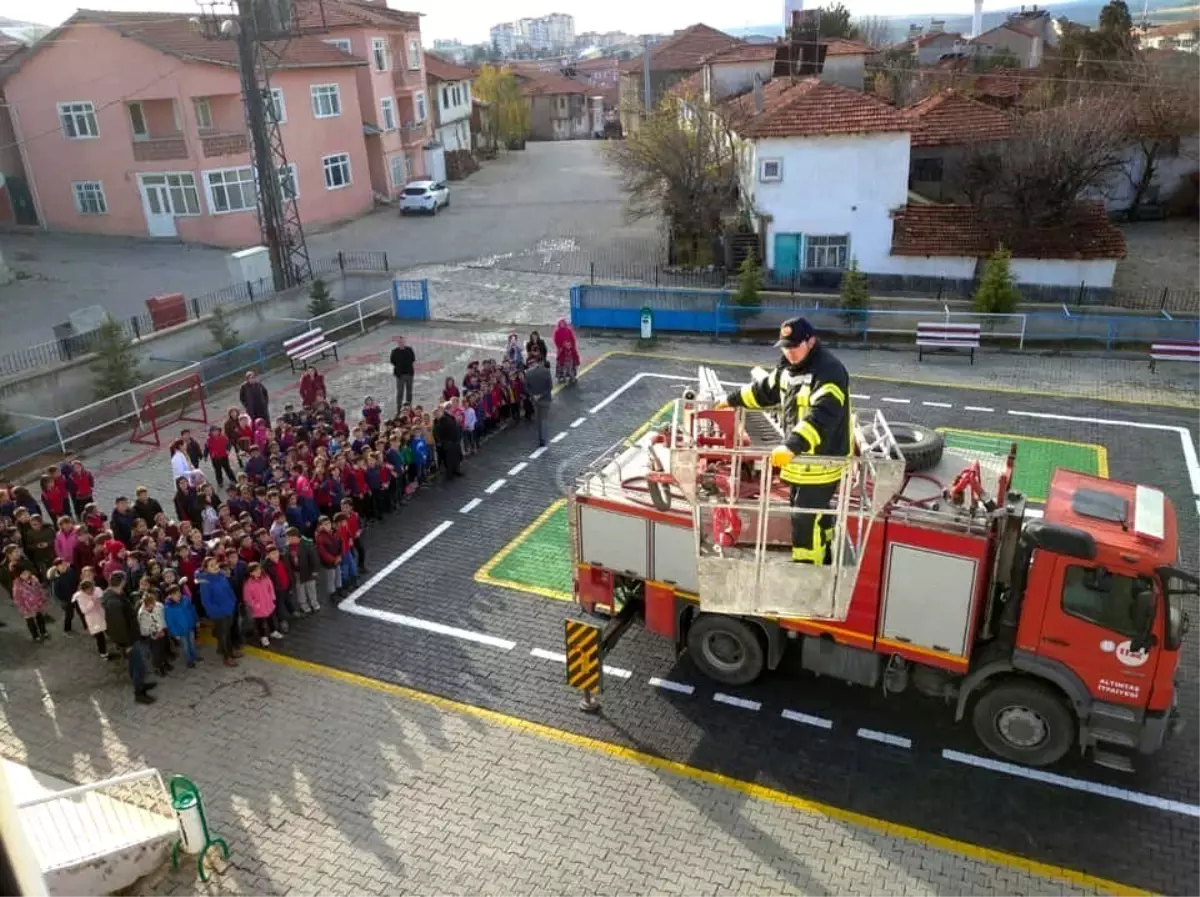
(874, 31)
(1162, 106)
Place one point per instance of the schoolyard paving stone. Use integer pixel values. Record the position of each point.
(322, 786)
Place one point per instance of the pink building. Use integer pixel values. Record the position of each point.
(133, 124)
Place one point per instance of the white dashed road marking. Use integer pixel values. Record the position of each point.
(559, 437)
(809, 720)
(861, 398)
(496, 486)
(619, 672)
(885, 738)
(937, 404)
(470, 506)
(537, 453)
(732, 701)
(578, 422)
(895, 401)
(978, 408)
(517, 468)
(668, 685)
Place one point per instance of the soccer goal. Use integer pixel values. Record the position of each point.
(168, 403)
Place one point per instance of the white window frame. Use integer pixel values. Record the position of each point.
(823, 250)
(209, 189)
(77, 111)
(143, 134)
(94, 191)
(764, 176)
(403, 160)
(326, 168)
(445, 96)
(420, 108)
(414, 54)
(342, 43)
(320, 91)
(380, 57)
(277, 104)
(183, 181)
(289, 172)
(204, 103)
(387, 110)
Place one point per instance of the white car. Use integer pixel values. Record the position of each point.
(424, 196)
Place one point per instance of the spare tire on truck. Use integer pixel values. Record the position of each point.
(922, 446)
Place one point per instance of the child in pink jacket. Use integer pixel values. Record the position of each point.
(259, 595)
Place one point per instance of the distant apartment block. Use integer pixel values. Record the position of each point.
(552, 32)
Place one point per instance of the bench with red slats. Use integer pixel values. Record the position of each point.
(309, 346)
(944, 335)
(1174, 351)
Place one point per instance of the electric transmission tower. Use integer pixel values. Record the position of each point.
(262, 30)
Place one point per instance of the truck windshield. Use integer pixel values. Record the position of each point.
(1181, 589)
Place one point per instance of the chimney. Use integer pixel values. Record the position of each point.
(759, 102)
(977, 19)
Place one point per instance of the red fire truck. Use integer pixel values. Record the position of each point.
(1049, 632)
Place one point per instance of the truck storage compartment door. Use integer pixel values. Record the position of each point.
(620, 542)
(675, 556)
(928, 596)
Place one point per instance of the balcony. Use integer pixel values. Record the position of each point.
(160, 149)
(414, 131)
(224, 143)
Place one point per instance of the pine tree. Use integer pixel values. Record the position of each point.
(223, 333)
(855, 295)
(116, 365)
(749, 283)
(997, 293)
(320, 301)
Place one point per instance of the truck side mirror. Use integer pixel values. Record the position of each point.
(1143, 619)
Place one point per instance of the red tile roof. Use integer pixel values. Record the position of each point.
(951, 230)
(925, 39)
(949, 118)
(552, 85)
(177, 35)
(1173, 28)
(812, 108)
(691, 86)
(441, 70)
(840, 46)
(683, 51)
(741, 53)
(319, 14)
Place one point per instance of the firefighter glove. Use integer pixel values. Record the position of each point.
(781, 455)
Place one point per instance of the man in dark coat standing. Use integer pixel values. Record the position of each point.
(448, 436)
(540, 386)
(404, 365)
(121, 627)
(253, 396)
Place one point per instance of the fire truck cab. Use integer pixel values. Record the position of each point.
(1048, 633)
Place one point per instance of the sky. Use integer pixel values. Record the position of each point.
(469, 20)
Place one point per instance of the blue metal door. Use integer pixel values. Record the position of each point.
(787, 255)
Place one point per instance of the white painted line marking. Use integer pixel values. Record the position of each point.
(517, 468)
(668, 685)
(395, 564)
(937, 404)
(885, 738)
(537, 453)
(559, 437)
(1051, 778)
(496, 486)
(613, 396)
(732, 701)
(555, 656)
(895, 401)
(578, 422)
(470, 506)
(859, 396)
(819, 721)
(978, 408)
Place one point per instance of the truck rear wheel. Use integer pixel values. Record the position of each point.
(1026, 722)
(726, 649)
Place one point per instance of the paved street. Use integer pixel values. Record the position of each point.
(433, 621)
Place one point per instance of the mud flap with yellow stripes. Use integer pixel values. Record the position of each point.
(585, 661)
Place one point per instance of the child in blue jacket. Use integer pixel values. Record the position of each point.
(220, 604)
(180, 615)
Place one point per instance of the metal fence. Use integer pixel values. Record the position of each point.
(67, 348)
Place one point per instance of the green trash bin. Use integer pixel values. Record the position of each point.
(647, 323)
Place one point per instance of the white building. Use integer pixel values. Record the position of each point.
(561, 28)
(450, 89)
(825, 171)
(553, 32)
(505, 38)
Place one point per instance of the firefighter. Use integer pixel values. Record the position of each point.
(812, 390)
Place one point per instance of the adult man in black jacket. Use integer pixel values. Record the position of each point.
(448, 436)
(540, 387)
(121, 628)
(404, 363)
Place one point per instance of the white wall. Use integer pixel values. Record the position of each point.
(448, 112)
(1118, 192)
(953, 267)
(733, 77)
(455, 136)
(1065, 272)
(833, 186)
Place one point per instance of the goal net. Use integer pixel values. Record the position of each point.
(175, 401)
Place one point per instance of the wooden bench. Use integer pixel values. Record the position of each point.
(309, 346)
(942, 335)
(1174, 352)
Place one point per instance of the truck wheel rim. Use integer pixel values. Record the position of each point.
(1021, 727)
(723, 651)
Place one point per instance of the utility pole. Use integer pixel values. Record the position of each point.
(647, 100)
(261, 30)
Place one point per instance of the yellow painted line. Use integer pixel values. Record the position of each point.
(1098, 451)
(938, 384)
(750, 789)
(484, 573)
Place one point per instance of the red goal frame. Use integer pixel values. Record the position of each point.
(189, 390)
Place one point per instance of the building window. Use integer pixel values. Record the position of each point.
(445, 97)
(399, 170)
(826, 252)
(78, 120)
(137, 121)
(420, 101)
(230, 190)
(180, 191)
(342, 43)
(414, 54)
(288, 183)
(277, 109)
(379, 53)
(337, 171)
(1119, 603)
(203, 113)
(927, 170)
(770, 170)
(387, 118)
(89, 198)
(326, 100)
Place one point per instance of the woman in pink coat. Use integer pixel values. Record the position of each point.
(90, 601)
(30, 599)
(259, 595)
(566, 352)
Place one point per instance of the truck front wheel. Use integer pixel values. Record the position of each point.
(726, 649)
(1025, 722)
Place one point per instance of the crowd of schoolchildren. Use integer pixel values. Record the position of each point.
(283, 539)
